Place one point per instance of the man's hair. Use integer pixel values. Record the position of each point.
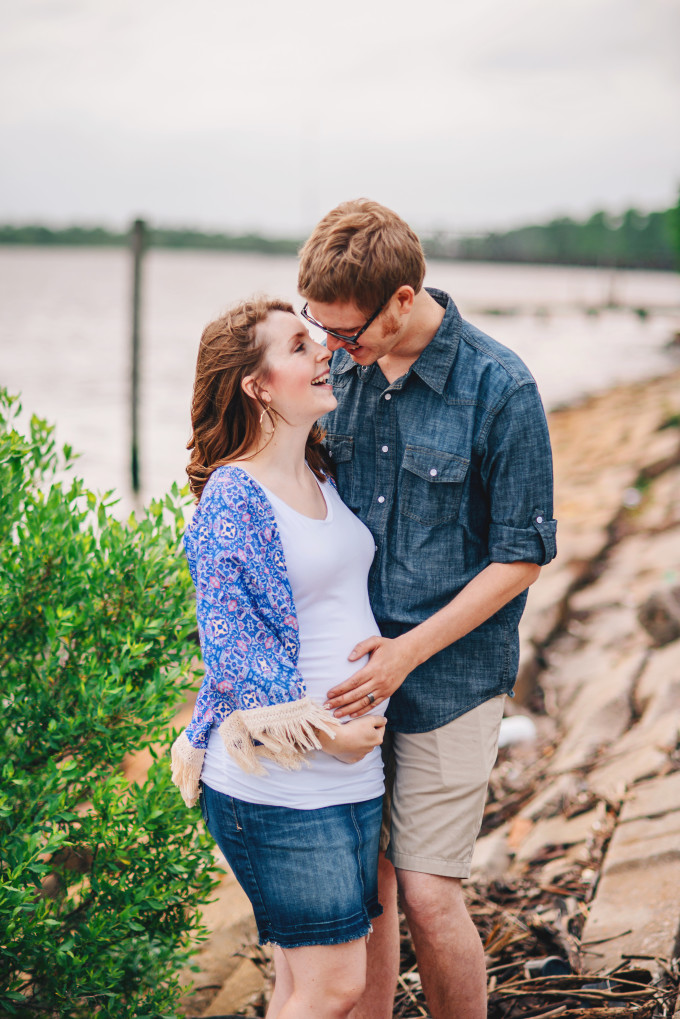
(360, 252)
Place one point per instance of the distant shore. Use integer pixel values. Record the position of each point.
(631, 241)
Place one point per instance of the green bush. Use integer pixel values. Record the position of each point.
(100, 878)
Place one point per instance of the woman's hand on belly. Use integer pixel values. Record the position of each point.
(355, 738)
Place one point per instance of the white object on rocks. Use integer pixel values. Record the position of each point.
(516, 729)
(632, 497)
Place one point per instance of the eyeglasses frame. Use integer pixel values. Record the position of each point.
(352, 340)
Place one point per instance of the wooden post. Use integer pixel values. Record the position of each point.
(137, 242)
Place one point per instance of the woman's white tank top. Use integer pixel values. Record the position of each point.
(328, 562)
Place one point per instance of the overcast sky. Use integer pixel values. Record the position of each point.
(265, 113)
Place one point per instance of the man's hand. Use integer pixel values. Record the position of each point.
(354, 740)
(392, 660)
(386, 670)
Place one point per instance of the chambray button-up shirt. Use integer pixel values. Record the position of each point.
(450, 468)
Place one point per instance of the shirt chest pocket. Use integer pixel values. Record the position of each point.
(431, 485)
(341, 453)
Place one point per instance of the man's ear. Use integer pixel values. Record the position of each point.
(405, 296)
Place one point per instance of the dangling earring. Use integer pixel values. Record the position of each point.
(266, 411)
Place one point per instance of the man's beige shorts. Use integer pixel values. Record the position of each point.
(435, 791)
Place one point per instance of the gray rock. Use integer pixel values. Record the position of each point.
(636, 911)
(660, 616)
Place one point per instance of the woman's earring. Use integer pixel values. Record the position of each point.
(265, 411)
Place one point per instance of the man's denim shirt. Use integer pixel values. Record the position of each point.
(450, 468)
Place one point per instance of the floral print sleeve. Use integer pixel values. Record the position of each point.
(248, 630)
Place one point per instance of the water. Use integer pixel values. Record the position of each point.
(64, 337)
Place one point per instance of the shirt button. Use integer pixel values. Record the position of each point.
(385, 448)
(433, 473)
(539, 520)
(388, 396)
(381, 498)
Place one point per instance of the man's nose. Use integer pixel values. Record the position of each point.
(335, 343)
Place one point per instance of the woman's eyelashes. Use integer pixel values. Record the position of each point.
(302, 343)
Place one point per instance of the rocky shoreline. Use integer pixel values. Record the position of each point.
(582, 827)
(601, 663)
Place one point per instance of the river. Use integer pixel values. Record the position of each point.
(64, 337)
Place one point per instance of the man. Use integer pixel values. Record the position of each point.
(441, 446)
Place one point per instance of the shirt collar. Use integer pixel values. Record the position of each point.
(435, 363)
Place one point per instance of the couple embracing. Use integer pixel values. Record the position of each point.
(370, 515)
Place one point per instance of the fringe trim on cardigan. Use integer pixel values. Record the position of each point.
(286, 732)
(187, 764)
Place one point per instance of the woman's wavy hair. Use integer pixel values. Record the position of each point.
(225, 421)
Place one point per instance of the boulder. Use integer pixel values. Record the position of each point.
(660, 615)
(642, 871)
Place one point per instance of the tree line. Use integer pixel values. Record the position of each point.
(633, 240)
(157, 237)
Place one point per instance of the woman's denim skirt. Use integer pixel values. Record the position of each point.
(311, 875)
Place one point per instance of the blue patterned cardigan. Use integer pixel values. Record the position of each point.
(248, 629)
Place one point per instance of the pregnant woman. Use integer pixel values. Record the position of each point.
(291, 796)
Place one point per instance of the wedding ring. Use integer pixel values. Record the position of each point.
(370, 697)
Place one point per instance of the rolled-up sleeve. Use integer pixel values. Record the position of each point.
(518, 477)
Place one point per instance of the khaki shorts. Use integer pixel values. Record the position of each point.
(435, 791)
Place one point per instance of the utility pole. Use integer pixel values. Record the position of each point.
(137, 243)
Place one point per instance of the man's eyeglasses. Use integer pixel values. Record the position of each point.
(353, 338)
